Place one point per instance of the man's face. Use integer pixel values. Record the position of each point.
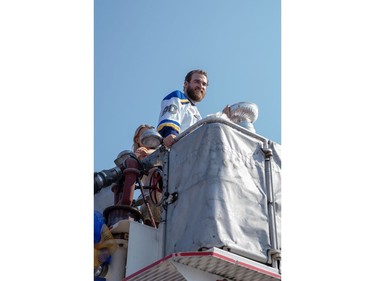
(196, 88)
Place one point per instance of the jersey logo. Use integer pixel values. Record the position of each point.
(172, 109)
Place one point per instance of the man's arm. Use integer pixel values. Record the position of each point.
(170, 118)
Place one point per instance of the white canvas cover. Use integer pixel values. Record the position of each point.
(219, 174)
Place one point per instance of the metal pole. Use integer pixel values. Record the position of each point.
(165, 189)
(146, 202)
(271, 205)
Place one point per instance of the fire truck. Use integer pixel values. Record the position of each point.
(220, 186)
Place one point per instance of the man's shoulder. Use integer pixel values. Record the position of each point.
(176, 94)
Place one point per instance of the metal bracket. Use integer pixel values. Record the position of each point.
(273, 255)
(171, 198)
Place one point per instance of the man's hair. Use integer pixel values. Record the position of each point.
(190, 74)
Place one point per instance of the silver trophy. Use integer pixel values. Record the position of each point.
(151, 139)
(244, 114)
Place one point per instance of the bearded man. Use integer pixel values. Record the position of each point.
(179, 110)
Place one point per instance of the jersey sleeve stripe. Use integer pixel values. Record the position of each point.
(171, 125)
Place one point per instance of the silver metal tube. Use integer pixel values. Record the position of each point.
(145, 200)
(271, 203)
(214, 119)
(157, 157)
(165, 189)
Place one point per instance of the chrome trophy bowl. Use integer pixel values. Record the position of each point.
(151, 138)
(244, 114)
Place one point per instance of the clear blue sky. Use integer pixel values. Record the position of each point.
(143, 50)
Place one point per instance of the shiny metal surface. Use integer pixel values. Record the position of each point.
(243, 112)
(151, 138)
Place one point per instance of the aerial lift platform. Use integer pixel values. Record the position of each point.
(221, 216)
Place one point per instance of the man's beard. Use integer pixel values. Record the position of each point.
(195, 95)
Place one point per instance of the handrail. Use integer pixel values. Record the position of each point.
(215, 119)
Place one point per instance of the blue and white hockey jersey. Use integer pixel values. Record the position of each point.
(177, 114)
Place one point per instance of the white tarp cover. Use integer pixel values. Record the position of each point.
(219, 174)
